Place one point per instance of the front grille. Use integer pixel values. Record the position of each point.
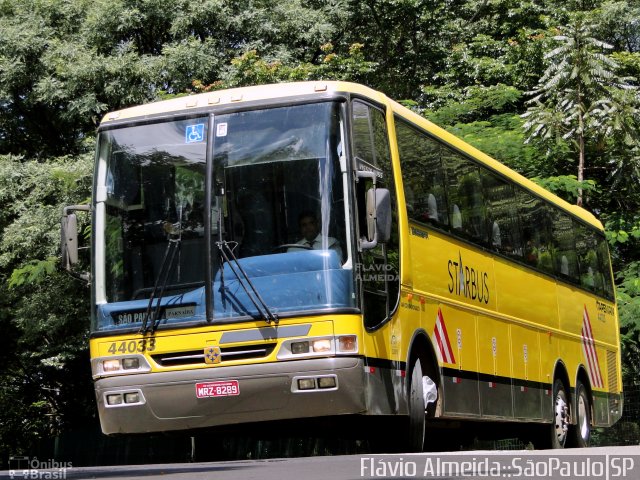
(196, 357)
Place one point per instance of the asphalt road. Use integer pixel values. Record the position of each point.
(594, 463)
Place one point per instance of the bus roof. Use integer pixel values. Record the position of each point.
(239, 96)
(298, 89)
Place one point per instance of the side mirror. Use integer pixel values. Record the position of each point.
(370, 212)
(378, 213)
(69, 240)
(383, 214)
(69, 235)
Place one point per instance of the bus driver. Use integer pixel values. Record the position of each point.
(311, 236)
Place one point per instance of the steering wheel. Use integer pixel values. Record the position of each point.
(292, 245)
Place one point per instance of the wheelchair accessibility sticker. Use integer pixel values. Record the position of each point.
(194, 133)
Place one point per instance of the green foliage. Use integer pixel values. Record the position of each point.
(581, 99)
(43, 312)
(628, 294)
(628, 63)
(526, 56)
(33, 194)
(576, 78)
(64, 64)
(616, 22)
(470, 103)
(622, 231)
(408, 40)
(250, 69)
(479, 61)
(34, 271)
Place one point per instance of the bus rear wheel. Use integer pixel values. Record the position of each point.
(417, 414)
(561, 416)
(581, 432)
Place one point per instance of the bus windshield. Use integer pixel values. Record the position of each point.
(278, 207)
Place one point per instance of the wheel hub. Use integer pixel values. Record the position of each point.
(561, 419)
(582, 418)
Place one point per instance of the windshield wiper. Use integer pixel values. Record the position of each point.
(230, 258)
(165, 270)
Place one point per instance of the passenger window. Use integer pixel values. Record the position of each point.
(502, 215)
(423, 176)
(565, 258)
(591, 276)
(466, 204)
(605, 268)
(536, 231)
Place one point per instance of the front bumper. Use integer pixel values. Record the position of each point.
(268, 391)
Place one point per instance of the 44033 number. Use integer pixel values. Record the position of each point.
(133, 346)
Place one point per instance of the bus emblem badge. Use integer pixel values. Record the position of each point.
(212, 355)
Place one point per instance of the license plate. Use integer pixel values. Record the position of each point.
(217, 389)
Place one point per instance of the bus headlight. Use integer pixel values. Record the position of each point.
(105, 366)
(299, 347)
(112, 365)
(131, 363)
(321, 346)
(318, 347)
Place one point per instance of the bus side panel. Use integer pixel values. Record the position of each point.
(530, 299)
(455, 279)
(525, 294)
(528, 391)
(385, 353)
(592, 347)
(573, 308)
(494, 368)
(460, 380)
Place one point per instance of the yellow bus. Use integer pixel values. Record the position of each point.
(316, 249)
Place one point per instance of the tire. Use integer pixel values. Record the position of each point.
(417, 416)
(581, 431)
(561, 416)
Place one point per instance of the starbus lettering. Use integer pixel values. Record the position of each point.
(467, 281)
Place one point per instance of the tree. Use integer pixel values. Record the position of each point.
(45, 385)
(65, 64)
(579, 96)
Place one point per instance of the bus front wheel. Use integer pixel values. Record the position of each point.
(417, 414)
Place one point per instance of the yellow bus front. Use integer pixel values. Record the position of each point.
(223, 252)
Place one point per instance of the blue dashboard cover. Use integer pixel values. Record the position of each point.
(287, 282)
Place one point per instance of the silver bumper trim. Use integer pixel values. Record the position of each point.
(265, 394)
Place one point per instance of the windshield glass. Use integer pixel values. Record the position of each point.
(154, 181)
(278, 204)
